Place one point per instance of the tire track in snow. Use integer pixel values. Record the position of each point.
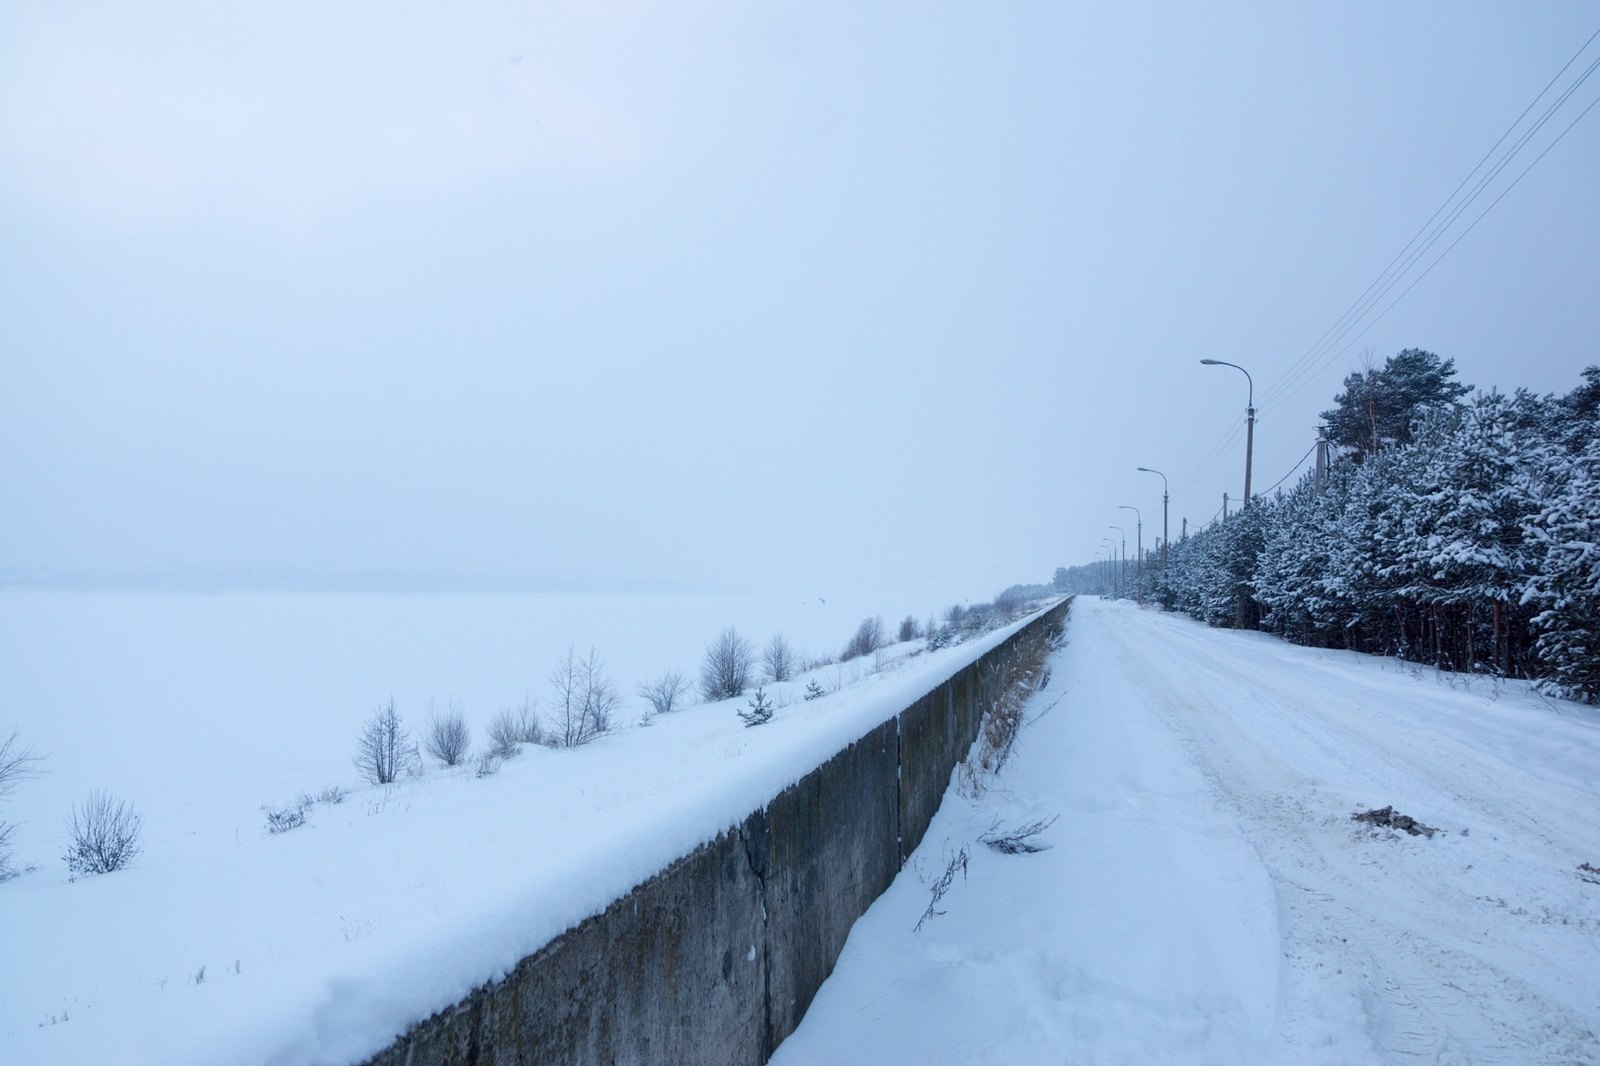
(1433, 942)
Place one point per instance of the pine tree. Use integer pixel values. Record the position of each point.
(760, 712)
(1567, 589)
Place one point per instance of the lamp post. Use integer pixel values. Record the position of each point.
(1163, 477)
(1138, 557)
(1111, 564)
(1249, 422)
(1122, 569)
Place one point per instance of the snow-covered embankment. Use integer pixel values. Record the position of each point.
(716, 958)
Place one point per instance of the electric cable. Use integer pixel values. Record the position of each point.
(1285, 397)
(1292, 469)
(1312, 362)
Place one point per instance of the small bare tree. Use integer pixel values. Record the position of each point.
(584, 699)
(448, 736)
(909, 630)
(666, 692)
(105, 836)
(7, 871)
(16, 763)
(512, 726)
(778, 659)
(385, 750)
(503, 733)
(868, 639)
(725, 672)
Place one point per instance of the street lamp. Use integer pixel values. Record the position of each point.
(1163, 477)
(1122, 570)
(1113, 569)
(1138, 557)
(1250, 421)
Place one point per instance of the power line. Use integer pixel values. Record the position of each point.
(1212, 458)
(1292, 469)
(1327, 348)
(1284, 398)
(1312, 362)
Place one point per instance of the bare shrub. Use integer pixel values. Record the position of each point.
(7, 871)
(584, 700)
(778, 659)
(448, 736)
(513, 726)
(1022, 673)
(909, 630)
(330, 795)
(868, 639)
(283, 819)
(665, 694)
(725, 672)
(385, 749)
(489, 763)
(16, 763)
(105, 836)
(503, 733)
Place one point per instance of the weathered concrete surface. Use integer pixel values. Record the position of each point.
(715, 959)
(832, 851)
(665, 968)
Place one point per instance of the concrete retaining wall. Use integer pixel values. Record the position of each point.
(715, 959)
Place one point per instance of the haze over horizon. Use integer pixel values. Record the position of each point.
(711, 296)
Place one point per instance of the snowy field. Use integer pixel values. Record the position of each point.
(227, 944)
(1205, 896)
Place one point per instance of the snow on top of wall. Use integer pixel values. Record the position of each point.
(229, 945)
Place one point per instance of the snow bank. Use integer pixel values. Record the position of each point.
(1206, 896)
(227, 944)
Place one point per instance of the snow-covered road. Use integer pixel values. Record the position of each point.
(1206, 896)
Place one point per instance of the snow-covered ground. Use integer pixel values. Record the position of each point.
(1206, 896)
(319, 944)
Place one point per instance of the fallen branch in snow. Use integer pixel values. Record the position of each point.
(1589, 873)
(941, 886)
(1389, 819)
(1019, 840)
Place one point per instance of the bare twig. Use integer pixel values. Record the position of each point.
(957, 862)
(1018, 841)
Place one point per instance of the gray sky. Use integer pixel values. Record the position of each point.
(748, 297)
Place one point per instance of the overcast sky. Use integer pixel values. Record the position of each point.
(762, 297)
